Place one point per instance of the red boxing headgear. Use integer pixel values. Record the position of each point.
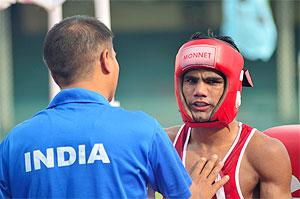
(220, 56)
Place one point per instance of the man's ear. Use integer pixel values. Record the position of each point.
(104, 62)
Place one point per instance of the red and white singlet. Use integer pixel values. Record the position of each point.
(232, 160)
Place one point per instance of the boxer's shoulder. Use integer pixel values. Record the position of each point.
(172, 131)
(264, 151)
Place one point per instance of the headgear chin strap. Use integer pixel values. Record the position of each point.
(220, 56)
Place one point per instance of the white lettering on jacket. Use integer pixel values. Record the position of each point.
(65, 156)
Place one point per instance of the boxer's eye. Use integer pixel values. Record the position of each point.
(191, 80)
(214, 80)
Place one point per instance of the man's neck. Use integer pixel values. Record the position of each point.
(214, 136)
(89, 85)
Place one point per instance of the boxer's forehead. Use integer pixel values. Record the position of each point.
(204, 71)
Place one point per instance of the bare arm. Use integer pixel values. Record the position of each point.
(270, 159)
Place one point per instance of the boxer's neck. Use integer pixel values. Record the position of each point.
(214, 136)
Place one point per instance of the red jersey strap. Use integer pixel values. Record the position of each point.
(236, 149)
(181, 139)
(233, 161)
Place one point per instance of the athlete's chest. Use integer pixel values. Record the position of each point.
(193, 155)
(242, 175)
(243, 179)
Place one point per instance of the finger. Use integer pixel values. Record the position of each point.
(209, 166)
(214, 173)
(217, 185)
(197, 168)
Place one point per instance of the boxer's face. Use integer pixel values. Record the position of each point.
(202, 90)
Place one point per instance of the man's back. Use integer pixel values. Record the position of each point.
(82, 147)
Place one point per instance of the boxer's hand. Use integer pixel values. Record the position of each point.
(204, 174)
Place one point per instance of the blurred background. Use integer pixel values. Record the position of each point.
(148, 34)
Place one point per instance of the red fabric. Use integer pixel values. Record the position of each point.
(179, 145)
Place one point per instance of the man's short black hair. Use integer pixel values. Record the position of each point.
(72, 46)
(210, 35)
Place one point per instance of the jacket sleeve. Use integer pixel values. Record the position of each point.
(170, 177)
